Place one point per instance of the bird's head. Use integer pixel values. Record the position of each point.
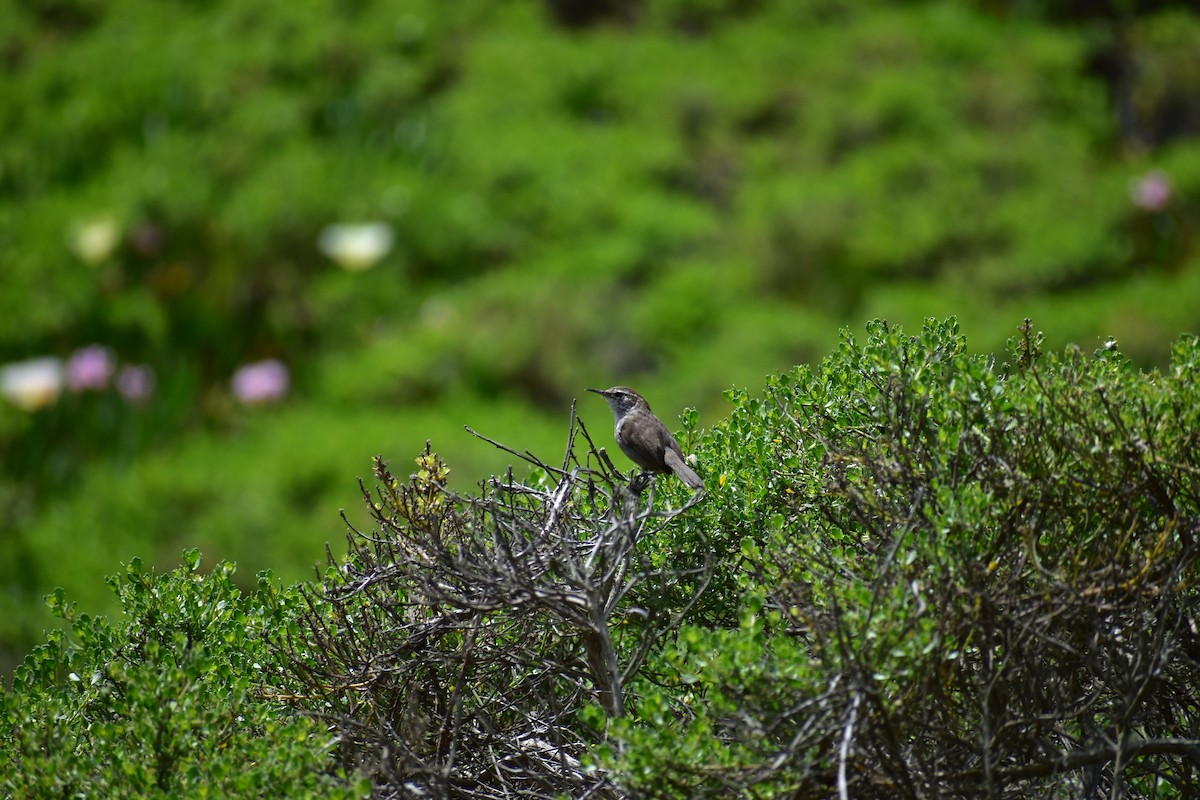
(622, 399)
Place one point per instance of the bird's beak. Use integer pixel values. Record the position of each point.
(597, 391)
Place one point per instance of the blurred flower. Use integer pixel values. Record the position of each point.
(147, 239)
(1152, 191)
(135, 382)
(89, 368)
(357, 247)
(261, 382)
(33, 384)
(94, 240)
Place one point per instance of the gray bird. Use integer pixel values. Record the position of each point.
(644, 438)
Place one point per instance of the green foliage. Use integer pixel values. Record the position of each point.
(951, 567)
(171, 700)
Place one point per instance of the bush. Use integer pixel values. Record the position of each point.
(472, 647)
(974, 579)
(168, 702)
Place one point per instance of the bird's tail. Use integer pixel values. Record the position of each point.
(685, 473)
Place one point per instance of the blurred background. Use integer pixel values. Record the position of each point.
(247, 244)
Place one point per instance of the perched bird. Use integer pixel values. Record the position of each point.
(644, 438)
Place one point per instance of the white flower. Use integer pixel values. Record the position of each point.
(33, 384)
(357, 247)
(94, 241)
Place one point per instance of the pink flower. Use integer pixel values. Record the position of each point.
(135, 382)
(261, 382)
(1152, 191)
(89, 369)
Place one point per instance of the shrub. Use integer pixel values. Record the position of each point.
(168, 702)
(976, 579)
(472, 647)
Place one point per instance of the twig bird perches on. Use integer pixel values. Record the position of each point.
(644, 438)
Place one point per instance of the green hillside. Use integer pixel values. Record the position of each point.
(302, 234)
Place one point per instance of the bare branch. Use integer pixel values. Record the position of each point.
(457, 644)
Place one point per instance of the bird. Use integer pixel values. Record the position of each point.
(644, 438)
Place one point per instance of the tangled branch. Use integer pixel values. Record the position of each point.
(456, 646)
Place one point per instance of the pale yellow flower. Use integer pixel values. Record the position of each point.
(357, 247)
(96, 239)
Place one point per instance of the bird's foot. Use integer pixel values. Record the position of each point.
(639, 482)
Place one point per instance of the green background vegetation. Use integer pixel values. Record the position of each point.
(679, 195)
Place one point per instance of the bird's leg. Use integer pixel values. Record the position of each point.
(639, 482)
